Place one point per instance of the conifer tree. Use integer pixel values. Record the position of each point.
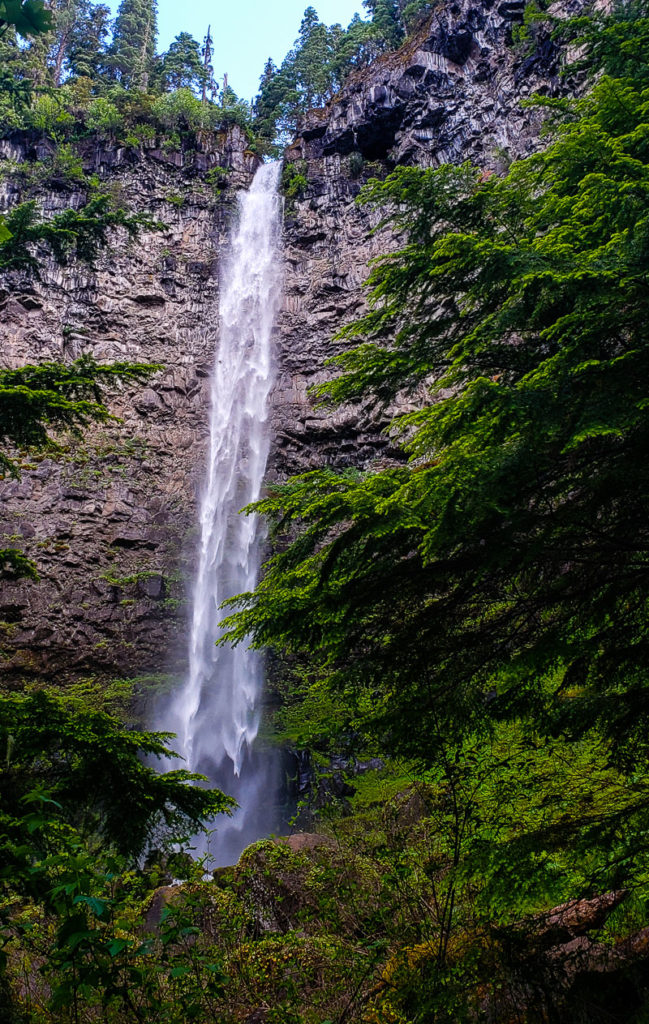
(134, 41)
(355, 47)
(504, 572)
(86, 52)
(181, 65)
(312, 60)
(208, 81)
(78, 25)
(271, 97)
(386, 21)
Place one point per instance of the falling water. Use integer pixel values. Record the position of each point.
(215, 714)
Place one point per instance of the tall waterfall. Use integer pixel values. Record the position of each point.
(215, 714)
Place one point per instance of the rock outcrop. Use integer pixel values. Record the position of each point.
(452, 92)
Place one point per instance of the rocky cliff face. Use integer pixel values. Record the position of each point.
(111, 522)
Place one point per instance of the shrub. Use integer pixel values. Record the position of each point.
(294, 179)
(135, 107)
(66, 164)
(217, 179)
(171, 142)
(356, 163)
(10, 117)
(239, 114)
(79, 92)
(139, 134)
(182, 110)
(103, 116)
(49, 116)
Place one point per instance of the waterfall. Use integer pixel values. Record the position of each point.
(215, 713)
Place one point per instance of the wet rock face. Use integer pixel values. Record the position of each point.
(327, 248)
(110, 520)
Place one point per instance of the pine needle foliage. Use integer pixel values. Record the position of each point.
(82, 233)
(60, 396)
(133, 45)
(95, 770)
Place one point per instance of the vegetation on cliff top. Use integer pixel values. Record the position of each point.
(79, 72)
(323, 57)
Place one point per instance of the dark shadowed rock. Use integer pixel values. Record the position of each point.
(158, 903)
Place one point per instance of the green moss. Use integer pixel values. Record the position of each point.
(377, 787)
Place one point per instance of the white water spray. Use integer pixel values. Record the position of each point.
(215, 714)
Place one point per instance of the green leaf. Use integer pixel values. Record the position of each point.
(96, 905)
(28, 17)
(117, 946)
(179, 972)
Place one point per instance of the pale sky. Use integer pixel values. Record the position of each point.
(245, 32)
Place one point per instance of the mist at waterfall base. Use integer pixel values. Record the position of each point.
(215, 713)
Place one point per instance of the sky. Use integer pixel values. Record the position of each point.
(245, 32)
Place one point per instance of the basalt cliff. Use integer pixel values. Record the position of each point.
(110, 521)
